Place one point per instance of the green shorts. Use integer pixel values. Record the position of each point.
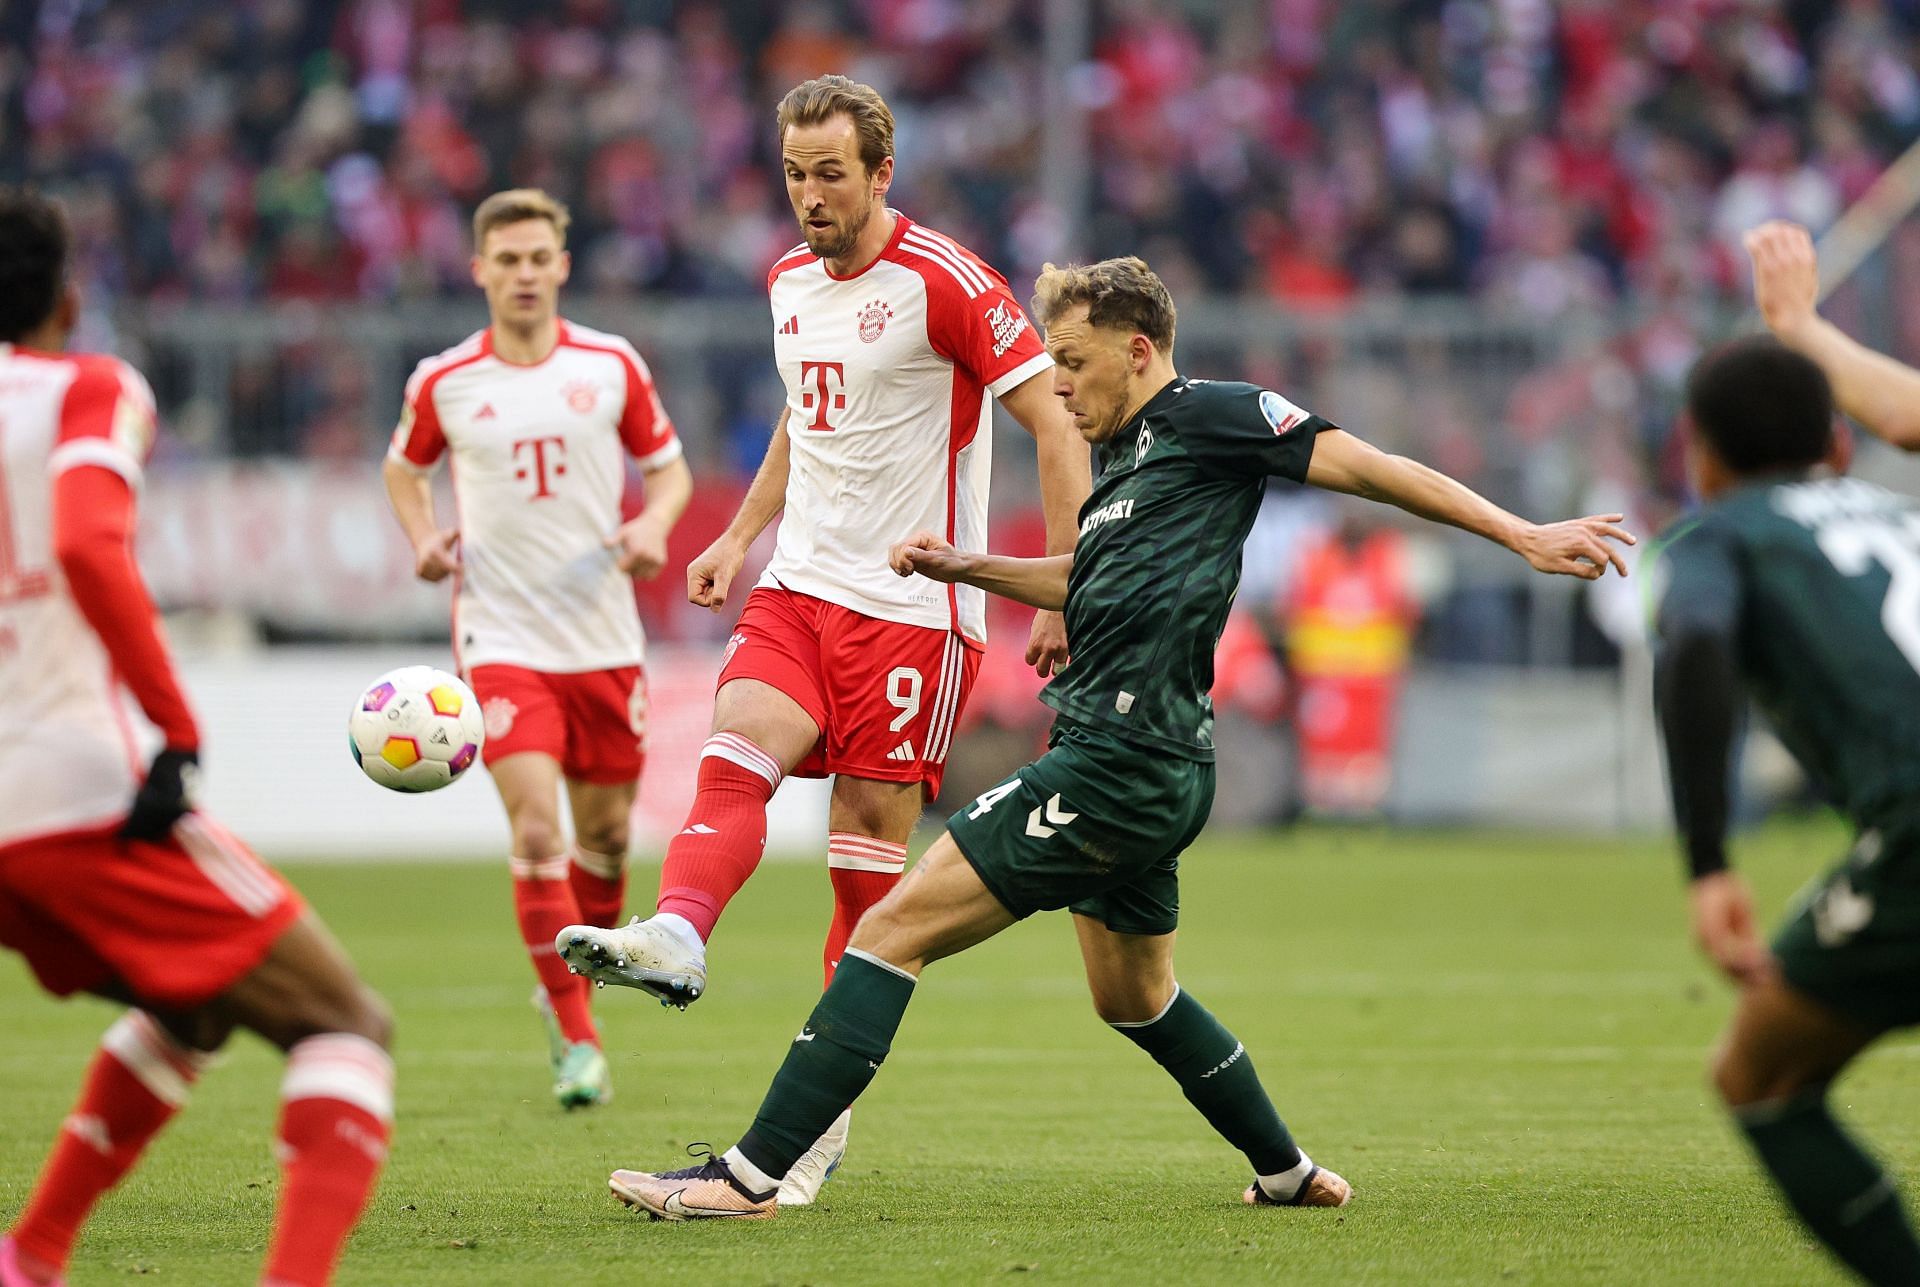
(1096, 825)
(1852, 941)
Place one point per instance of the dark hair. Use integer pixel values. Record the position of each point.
(817, 101)
(1121, 293)
(1762, 407)
(33, 260)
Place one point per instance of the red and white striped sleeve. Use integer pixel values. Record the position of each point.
(646, 430)
(106, 419)
(973, 319)
(418, 440)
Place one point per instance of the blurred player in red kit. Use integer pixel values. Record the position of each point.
(111, 882)
(540, 416)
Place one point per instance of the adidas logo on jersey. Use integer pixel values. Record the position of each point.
(904, 751)
(791, 326)
(486, 412)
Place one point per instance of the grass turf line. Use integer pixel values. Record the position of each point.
(1499, 1039)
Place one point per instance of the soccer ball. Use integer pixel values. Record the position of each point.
(416, 729)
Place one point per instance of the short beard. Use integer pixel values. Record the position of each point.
(841, 245)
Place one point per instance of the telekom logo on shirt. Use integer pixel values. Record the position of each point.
(548, 461)
(825, 376)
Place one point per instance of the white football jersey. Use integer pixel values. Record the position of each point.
(539, 465)
(68, 752)
(888, 375)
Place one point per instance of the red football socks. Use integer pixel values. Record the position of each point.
(335, 1121)
(544, 903)
(599, 886)
(726, 831)
(138, 1080)
(862, 869)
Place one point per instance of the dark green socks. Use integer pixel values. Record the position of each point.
(1216, 1075)
(830, 1063)
(1839, 1192)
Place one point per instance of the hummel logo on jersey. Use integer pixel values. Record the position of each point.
(486, 412)
(700, 829)
(806, 1034)
(1007, 324)
(904, 751)
(791, 326)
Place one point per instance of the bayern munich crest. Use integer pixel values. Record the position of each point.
(581, 395)
(873, 320)
(499, 713)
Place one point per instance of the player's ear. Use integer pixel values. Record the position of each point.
(66, 309)
(883, 177)
(473, 266)
(1840, 453)
(566, 266)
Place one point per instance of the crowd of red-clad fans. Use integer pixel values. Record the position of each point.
(1547, 155)
(1580, 166)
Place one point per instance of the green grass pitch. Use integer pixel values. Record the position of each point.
(1498, 1039)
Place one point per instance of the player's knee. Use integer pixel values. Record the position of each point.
(1135, 1001)
(536, 836)
(204, 1030)
(1739, 1080)
(609, 837)
(371, 1018)
(359, 1011)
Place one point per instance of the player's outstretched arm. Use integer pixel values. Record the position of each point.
(1576, 547)
(1038, 583)
(1880, 392)
(641, 542)
(410, 493)
(1066, 476)
(710, 576)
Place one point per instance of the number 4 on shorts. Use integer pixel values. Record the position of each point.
(993, 796)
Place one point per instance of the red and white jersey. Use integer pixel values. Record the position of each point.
(888, 373)
(68, 758)
(539, 465)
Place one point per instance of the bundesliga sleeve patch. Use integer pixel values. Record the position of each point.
(1280, 413)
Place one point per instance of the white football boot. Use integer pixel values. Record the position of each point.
(643, 954)
(817, 1165)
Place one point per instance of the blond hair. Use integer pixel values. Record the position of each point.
(517, 205)
(1120, 293)
(816, 101)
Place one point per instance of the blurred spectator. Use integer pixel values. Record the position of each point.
(1547, 154)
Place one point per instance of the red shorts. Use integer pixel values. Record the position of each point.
(177, 922)
(594, 722)
(884, 695)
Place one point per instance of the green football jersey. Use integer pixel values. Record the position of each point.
(1821, 581)
(1157, 561)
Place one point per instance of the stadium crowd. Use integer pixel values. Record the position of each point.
(1547, 156)
(1580, 169)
